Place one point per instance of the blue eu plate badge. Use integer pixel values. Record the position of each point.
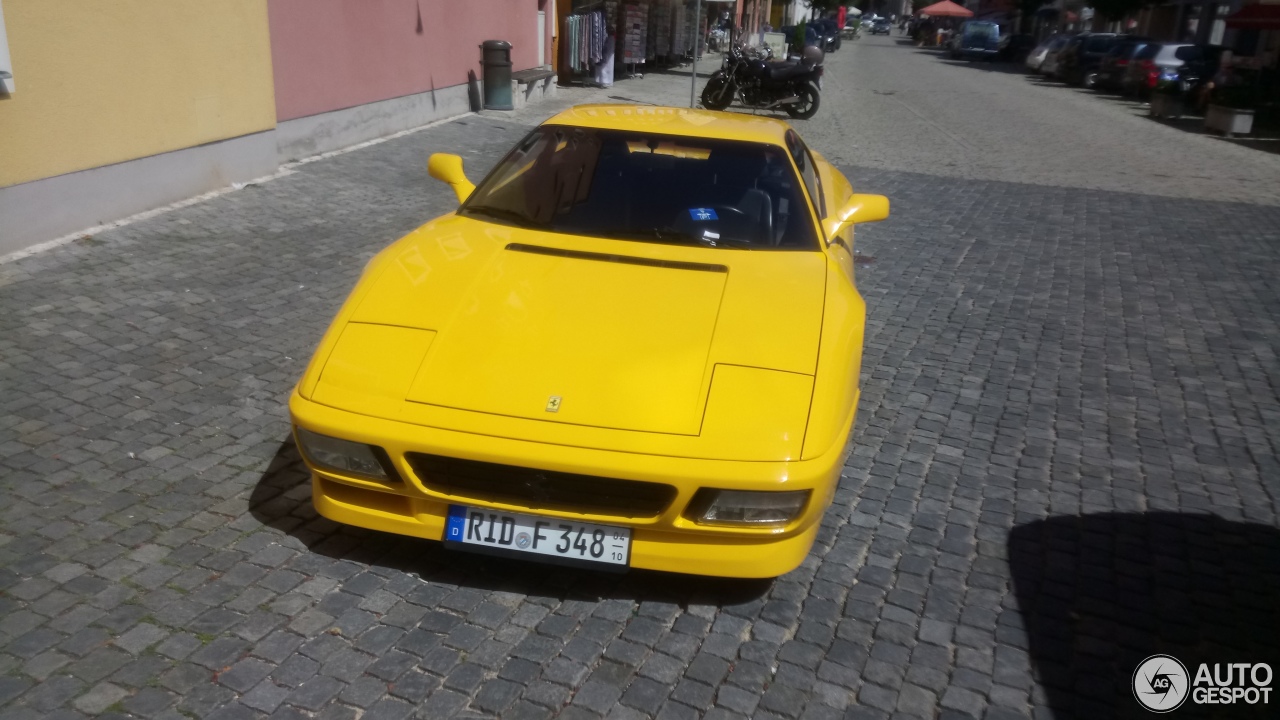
(456, 522)
(703, 214)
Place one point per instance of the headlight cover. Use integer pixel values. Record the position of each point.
(343, 456)
(747, 508)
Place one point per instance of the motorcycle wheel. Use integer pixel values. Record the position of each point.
(717, 94)
(807, 107)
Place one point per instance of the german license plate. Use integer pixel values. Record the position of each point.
(551, 539)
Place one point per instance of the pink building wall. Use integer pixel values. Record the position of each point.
(334, 54)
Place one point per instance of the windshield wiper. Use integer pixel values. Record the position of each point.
(511, 216)
(727, 242)
(645, 234)
(669, 235)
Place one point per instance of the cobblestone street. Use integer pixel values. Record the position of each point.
(1065, 458)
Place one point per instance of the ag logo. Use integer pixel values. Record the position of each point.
(1161, 683)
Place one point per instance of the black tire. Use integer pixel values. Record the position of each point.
(808, 105)
(718, 93)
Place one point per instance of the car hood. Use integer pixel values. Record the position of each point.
(590, 339)
(574, 331)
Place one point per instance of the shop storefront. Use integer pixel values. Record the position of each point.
(1255, 62)
(650, 35)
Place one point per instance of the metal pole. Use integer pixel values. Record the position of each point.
(693, 81)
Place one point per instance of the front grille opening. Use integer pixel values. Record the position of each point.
(540, 489)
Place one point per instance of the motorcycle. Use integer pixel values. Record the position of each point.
(748, 74)
(829, 36)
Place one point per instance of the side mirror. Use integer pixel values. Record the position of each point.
(859, 209)
(448, 169)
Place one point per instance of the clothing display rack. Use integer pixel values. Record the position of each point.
(585, 37)
(657, 33)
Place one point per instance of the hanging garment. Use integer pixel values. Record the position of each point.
(604, 69)
(597, 36)
(566, 44)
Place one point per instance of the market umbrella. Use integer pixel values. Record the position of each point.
(946, 8)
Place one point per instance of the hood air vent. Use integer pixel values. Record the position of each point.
(623, 259)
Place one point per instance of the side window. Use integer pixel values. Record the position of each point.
(808, 171)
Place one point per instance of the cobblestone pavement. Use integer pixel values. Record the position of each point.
(1065, 461)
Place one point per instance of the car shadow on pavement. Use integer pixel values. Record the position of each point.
(988, 65)
(1100, 593)
(282, 500)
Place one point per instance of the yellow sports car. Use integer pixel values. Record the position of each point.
(635, 344)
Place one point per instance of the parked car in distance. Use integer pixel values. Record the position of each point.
(1048, 67)
(976, 39)
(1014, 48)
(1078, 63)
(1144, 70)
(1112, 68)
(1040, 54)
(881, 26)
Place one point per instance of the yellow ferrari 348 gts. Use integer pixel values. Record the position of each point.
(635, 344)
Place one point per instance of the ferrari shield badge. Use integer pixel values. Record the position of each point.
(553, 403)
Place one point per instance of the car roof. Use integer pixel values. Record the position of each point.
(686, 122)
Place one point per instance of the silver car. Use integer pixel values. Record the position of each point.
(1044, 58)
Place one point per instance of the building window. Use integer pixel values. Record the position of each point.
(6, 66)
(1219, 24)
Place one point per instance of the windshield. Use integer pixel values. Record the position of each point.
(1099, 44)
(981, 31)
(649, 188)
(1147, 52)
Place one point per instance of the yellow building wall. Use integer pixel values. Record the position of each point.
(104, 81)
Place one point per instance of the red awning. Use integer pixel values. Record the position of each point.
(946, 8)
(1256, 17)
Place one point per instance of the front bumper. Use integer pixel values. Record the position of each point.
(668, 541)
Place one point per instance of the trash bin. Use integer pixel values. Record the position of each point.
(495, 57)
